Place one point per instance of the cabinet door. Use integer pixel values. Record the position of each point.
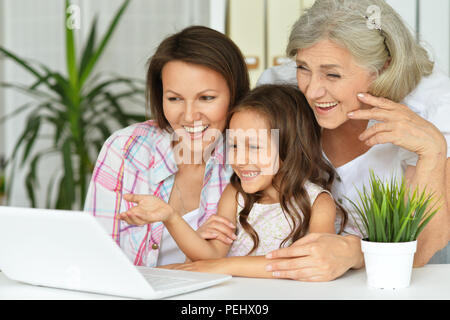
(246, 26)
(281, 15)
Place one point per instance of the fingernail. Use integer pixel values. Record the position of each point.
(350, 114)
(232, 225)
(276, 274)
(229, 240)
(269, 255)
(361, 95)
(268, 267)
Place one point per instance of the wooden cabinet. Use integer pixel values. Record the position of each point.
(261, 30)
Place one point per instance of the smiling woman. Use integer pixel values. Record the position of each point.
(194, 78)
(381, 106)
(196, 110)
(330, 78)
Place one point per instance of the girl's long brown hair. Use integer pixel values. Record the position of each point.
(300, 153)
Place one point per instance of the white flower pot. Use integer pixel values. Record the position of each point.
(388, 265)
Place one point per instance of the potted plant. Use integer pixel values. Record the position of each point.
(390, 217)
(82, 108)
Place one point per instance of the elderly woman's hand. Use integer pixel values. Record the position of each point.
(317, 257)
(400, 126)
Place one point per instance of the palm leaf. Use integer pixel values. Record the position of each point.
(88, 50)
(71, 56)
(23, 63)
(75, 106)
(94, 58)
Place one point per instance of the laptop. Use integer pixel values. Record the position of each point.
(70, 250)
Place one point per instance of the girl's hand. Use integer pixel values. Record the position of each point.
(149, 209)
(400, 126)
(218, 228)
(209, 266)
(317, 257)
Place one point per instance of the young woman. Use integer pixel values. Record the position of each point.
(194, 79)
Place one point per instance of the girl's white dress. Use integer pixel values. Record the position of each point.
(270, 223)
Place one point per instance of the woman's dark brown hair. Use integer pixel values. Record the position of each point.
(300, 153)
(201, 46)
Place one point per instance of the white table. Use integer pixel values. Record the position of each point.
(429, 282)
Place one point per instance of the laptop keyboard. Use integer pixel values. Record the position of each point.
(161, 282)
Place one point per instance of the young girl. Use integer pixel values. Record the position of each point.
(279, 189)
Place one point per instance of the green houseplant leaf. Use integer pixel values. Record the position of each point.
(389, 212)
(81, 110)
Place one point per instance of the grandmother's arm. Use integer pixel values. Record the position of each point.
(435, 175)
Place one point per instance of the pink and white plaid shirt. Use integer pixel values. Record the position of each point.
(139, 159)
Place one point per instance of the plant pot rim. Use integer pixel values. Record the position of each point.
(388, 248)
(367, 241)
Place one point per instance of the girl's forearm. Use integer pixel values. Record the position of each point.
(187, 239)
(244, 266)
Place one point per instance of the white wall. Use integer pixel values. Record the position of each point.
(217, 15)
(432, 25)
(434, 20)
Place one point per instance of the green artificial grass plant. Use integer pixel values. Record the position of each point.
(389, 212)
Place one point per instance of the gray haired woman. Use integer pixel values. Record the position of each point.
(382, 106)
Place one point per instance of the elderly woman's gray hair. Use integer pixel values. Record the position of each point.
(376, 37)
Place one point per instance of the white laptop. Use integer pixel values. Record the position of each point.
(70, 250)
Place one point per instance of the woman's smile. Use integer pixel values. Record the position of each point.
(196, 132)
(325, 107)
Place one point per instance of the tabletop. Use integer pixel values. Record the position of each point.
(429, 282)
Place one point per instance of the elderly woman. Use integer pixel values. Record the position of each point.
(382, 106)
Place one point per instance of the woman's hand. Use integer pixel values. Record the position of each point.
(149, 209)
(400, 126)
(218, 228)
(317, 257)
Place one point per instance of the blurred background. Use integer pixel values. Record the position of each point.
(54, 132)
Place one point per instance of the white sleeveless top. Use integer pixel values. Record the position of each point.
(270, 223)
(169, 250)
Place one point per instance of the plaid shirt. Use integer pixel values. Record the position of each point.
(139, 159)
